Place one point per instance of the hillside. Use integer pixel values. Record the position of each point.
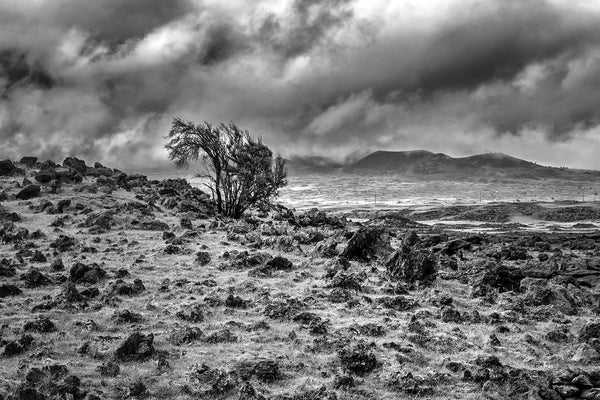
(423, 164)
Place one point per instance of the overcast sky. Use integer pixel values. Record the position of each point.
(102, 79)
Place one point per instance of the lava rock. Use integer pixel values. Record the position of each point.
(366, 244)
(29, 192)
(202, 257)
(34, 278)
(9, 290)
(136, 347)
(44, 177)
(28, 161)
(358, 359)
(7, 168)
(76, 164)
(41, 324)
(412, 263)
(82, 273)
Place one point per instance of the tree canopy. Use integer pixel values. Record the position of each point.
(241, 170)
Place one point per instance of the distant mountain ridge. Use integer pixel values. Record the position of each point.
(427, 165)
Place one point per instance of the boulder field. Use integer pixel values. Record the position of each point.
(113, 285)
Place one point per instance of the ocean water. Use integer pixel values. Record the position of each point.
(351, 192)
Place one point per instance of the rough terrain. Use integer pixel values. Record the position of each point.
(116, 286)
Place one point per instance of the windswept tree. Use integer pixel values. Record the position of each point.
(241, 170)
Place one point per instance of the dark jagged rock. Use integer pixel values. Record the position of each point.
(498, 276)
(306, 318)
(9, 290)
(9, 216)
(154, 226)
(50, 382)
(76, 164)
(29, 192)
(126, 316)
(34, 278)
(345, 280)
(589, 332)
(137, 347)
(38, 256)
(70, 294)
(82, 273)
(28, 161)
(367, 244)
(44, 177)
(191, 313)
(203, 257)
(212, 383)
(412, 263)
(358, 358)
(41, 324)
(57, 264)
(138, 389)
(7, 168)
(16, 347)
(122, 288)
(279, 263)
(7, 268)
(236, 302)
(99, 221)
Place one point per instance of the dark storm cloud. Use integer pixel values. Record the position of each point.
(16, 69)
(306, 26)
(223, 40)
(114, 21)
(103, 79)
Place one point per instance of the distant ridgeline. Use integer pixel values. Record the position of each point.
(423, 164)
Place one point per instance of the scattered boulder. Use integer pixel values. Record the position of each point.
(191, 313)
(9, 290)
(50, 382)
(16, 347)
(44, 177)
(203, 257)
(70, 294)
(367, 244)
(137, 347)
(412, 263)
(41, 324)
(236, 302)
(590, 331)
(76, 164)
(82, 273)
(279, 263)
(29, 192)
(126, 316)
(28, 161)
(7, 168)
(358, 358)
(34, 278)
(122, 288)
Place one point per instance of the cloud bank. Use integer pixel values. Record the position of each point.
(103, 79)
